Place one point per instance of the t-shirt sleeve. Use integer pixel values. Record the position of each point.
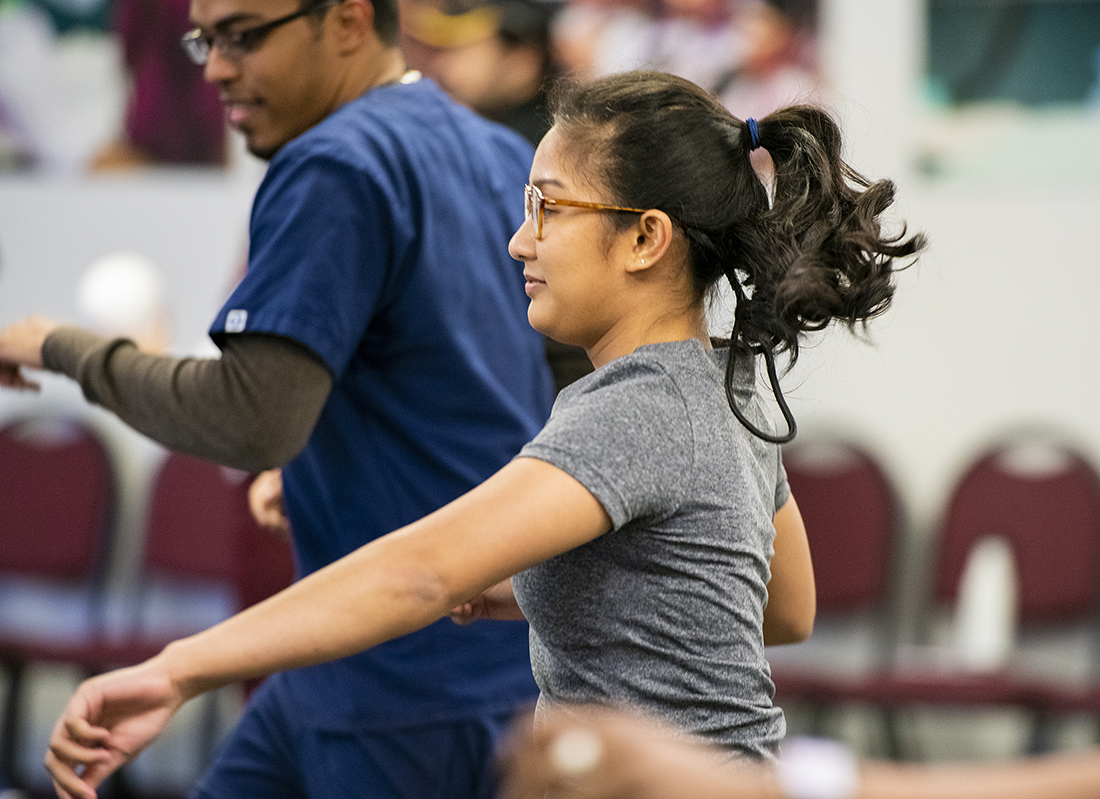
(629, 442)
(321, 239)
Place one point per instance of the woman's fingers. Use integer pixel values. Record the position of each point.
(76, 751)
(67, 775)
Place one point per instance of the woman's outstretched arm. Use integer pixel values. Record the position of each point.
(524, 514)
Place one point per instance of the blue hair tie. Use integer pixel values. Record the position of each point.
(754, 133)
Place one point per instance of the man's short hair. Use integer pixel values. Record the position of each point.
(385, 17)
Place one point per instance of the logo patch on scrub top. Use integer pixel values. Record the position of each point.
(235, 321)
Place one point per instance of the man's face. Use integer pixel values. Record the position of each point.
(285, 84)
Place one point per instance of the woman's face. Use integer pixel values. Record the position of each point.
(572, 280)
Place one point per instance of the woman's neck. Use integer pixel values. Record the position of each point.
(626, 336)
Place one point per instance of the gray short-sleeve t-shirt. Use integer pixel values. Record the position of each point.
(665, 611)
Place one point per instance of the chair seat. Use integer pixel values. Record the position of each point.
(951, 688)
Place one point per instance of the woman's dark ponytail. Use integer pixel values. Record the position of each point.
(814, 253)
(834, 261)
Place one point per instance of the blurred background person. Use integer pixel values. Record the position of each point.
(695, 39)
(103, 84)
(60, 83)
(599, 37)
(756, 55)
(494, 57)
(778, 64)
(172, 115)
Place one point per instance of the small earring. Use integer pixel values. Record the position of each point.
(643, 260)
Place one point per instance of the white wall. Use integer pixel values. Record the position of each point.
(194, 225)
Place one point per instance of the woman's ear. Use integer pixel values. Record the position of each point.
(652, 238)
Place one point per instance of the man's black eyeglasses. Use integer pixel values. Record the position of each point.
(233, 45)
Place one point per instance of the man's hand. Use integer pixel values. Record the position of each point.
(21, 346)
(265, 500)
(497, 603)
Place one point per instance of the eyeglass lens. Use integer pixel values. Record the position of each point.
(196, 46)
(236, 45)
(533, 198)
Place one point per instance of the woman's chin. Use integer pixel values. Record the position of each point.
(552, 327)
(539, 321)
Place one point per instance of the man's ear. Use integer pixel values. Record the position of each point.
(354, 23)
(652, 238)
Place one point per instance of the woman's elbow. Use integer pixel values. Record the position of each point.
(791, 626)
(800, 629)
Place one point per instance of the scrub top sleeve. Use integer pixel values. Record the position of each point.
(321, 242)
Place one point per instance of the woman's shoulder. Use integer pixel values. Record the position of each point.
(649, 363)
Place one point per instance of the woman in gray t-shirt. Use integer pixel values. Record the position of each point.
(668, 611)
(659, 547)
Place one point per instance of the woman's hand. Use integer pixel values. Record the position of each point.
(109, 720)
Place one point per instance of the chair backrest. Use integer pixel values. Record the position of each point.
(57, 498)
(851, 516)
(200, 528)
(1044, 500)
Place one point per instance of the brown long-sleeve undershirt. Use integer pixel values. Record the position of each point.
(253, 408)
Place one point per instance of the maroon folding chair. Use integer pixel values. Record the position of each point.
(1041, 497)
(203, 559)
(57, 499)
(852, 517)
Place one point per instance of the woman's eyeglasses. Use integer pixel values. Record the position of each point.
(534, 202)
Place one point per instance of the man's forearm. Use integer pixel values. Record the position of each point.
(253, 409)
